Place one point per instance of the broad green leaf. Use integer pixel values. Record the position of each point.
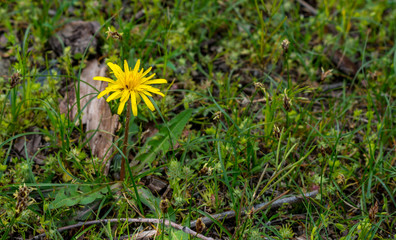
(161, 142)
(150, 201)
(73, 195)
(179, 235)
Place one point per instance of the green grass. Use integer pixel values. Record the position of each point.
(243, 121)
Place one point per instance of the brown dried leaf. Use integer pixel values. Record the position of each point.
(343, 63)
(78, 35)
(33, 144)
(157, 185)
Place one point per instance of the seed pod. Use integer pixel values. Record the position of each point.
(22, 197)
(15, 80)
(373, 211)
(286, 102)
(325, 74)
(113, 34)
(203, 171)
(200, 226)
(277, 132)
(285, 46)
(164, 204)
(250, 213)
(217, 116)
(258, 85)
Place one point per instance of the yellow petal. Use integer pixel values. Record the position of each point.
(124, 99)
(138, 99)
(134, 105)
(126, 67)
(125, 95)
(146, 93)
(156, 81)
(121, 107)
(148, 88)
(106, 91)
(147, 71)
(151, 89)
(99, 78)
(117, 71)
(115, 95)
(147, 101)
(115, 87)
(160, 93)
(148, 78)
(137, 65)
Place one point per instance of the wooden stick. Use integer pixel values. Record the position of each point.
(206, 220)
(140, 236)
(308, 7)
(130, 220)
(277, 203)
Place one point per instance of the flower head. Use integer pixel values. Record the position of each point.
(131, 84)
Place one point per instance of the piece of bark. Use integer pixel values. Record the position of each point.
(79, 35)
(96, 115)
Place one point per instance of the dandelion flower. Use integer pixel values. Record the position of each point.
(131, 84)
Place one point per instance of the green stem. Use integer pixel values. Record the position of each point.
(126, 154)
(289, 82)
(8, 228)
(163, 227)
(128, 117)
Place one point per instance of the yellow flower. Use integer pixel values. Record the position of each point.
(131, 84)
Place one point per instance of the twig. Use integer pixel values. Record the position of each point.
(329, 87)
(130, 220)
(277, 203)
(206, 220)
(308, 7)
(142, 235)
(261, 208)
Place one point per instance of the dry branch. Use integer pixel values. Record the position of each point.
(140, 236)
(308, 7)
(205, 220)
(277, 203)
(131, 220)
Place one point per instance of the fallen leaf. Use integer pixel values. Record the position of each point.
(78, 35)
(343, 63)
(33, 144)
(157, 185)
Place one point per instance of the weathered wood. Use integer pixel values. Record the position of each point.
(96, 112)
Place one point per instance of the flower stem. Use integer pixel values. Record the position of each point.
(125, 144)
